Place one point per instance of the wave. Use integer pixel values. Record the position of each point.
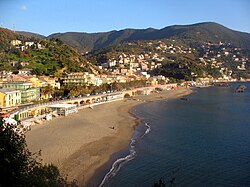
(121, 161)
(147, 130)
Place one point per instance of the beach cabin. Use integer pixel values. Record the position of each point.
(64, 109)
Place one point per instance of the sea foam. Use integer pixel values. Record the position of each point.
(116, 166)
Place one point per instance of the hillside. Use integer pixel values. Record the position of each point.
(44, 57)
(30, 34)
(179, 51)
(175, 59)
(6, 36)
(190, 34)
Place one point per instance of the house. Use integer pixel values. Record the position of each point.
(9, 98)
(5, 73)
(15, 42)
(24, 63)
(16, 78)
(123, 71)
(24, 72)
(112, 63)
(29, 44)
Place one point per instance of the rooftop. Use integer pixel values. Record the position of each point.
(6, 90)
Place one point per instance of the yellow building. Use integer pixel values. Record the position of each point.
(9, 98)
(15, 42)
(36, 83)
(53, 82)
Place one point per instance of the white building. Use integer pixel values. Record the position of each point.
(29, 44)
(64, 109)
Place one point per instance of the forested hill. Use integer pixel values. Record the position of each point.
(44, 57)
(192, 35)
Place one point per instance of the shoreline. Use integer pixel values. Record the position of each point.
(119, 155)
(82, 143)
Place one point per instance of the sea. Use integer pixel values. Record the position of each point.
(202, 140)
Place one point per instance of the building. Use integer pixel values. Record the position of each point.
(48, 81)
(15, 42)
(30, 94)
(25, 72)
(17, 85)
(9, 98)
(75, 78)
(112, 97)
(63, 109)
(80, 79)
(35, 82)
(29, 44)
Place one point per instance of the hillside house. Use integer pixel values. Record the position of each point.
(24, 72)
(29, 44)
(15, 42)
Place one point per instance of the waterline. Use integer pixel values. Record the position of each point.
(116, 166)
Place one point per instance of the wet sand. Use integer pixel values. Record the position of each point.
(81, 143)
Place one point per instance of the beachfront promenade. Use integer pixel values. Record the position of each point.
(38, 111)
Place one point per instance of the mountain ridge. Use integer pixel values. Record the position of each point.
(191, 34)
(204, 49)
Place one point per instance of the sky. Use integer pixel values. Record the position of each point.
(51, 16)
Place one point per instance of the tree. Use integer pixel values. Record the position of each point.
(47, 90)
(19, 167)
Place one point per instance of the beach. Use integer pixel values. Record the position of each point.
(81, 143)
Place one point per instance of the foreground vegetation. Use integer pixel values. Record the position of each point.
(20, 167)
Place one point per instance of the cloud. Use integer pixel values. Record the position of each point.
(23, 8)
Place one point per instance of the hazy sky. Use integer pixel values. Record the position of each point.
(50, 16)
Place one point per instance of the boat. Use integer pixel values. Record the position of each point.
(241, 88)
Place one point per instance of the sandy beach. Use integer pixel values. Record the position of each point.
(81, 143)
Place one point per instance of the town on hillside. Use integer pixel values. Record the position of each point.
(129, 69)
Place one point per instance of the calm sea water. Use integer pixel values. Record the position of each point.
(204, 141)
